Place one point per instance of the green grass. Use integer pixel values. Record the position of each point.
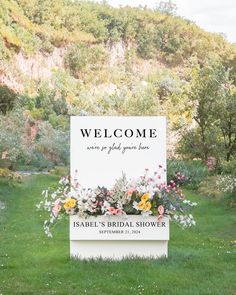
(201, 260)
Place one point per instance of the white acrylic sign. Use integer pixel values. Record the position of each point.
(104, 147)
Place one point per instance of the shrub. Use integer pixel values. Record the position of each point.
(52, 144)
(227, 185)
(12, 131)
(9, 176)
(208, 187)
(81, 56)
(31, 143)
(228, 167)
(193, 172)
(7, 99)
(60, 171)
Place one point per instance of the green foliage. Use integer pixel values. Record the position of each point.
(227, 185)
(4, 52)
(11, 133)
(81, 56)
(34, 25)
(215, 98)
(49, 104)
(145, 44)
(51, 146)
(9, 177)
(228, 167)
(208, 188)
(167, 7)
(48, 148)
(7, 99)
(231, 199)
(60, 171)
(194, 172)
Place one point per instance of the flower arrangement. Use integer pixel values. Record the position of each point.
(144, 195)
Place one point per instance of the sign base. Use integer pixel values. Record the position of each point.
(118, 237)
(118, 250)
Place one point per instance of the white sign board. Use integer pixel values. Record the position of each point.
(129, 227)
(104, 147)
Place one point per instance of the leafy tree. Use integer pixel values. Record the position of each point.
(227, 120)
(167, 7)
(215, 114)
(7, 99)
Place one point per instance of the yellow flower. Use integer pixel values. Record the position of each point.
(147, 206)
(141, 205)
(145, 197)
(70, 203)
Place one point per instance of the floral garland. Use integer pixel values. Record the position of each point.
(144, 195)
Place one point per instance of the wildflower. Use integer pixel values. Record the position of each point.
(145, 197)
(146, 213)
(70, 203)
(70, 211)
(112, 211)
(161, 210)
(131, 190)
(57, 207)
(141, 205)
(135, 205)
(147, 206)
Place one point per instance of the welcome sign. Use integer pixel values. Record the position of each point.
(102, 149)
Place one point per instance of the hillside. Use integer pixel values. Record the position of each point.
(62, 58)
(40, 38)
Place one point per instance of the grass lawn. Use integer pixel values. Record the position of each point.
(202, 260)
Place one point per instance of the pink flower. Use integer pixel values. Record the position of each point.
(57, 202)
(131, 190)
(112, 211)
(57, 207)
(161, 210)
(119, 212)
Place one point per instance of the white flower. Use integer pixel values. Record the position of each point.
(146, 213)
(135, 205)
(105, 206)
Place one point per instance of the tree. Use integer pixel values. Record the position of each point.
(7, 99)
(227, 120)
(168, 7)
(214, 97)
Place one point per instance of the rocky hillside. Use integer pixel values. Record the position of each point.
(39, 38)
(61, 58)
